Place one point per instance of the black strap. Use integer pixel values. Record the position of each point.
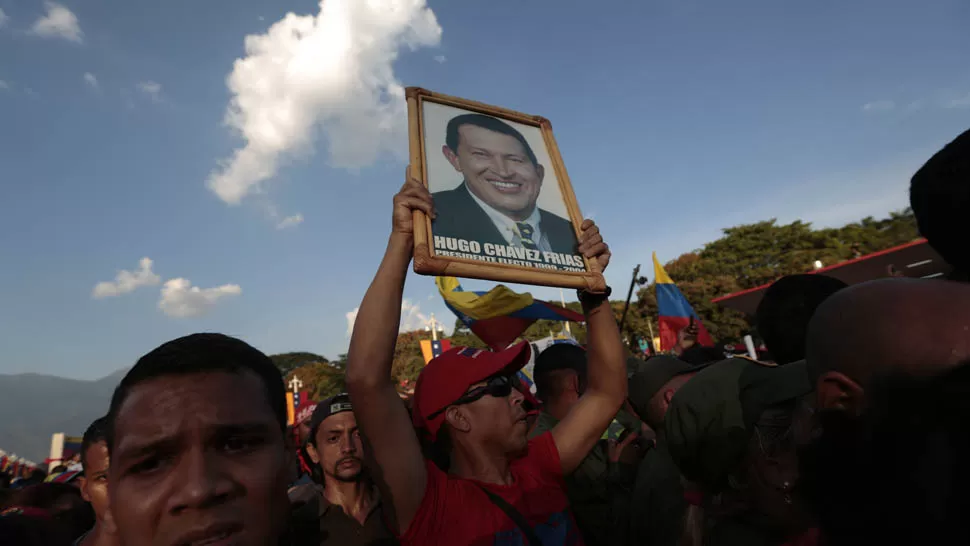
(515, 516)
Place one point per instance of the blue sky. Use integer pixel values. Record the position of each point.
(675, 119)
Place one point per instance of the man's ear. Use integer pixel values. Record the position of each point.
(668, 395)
(541, 171)
(835, 391)
(574, 383)
(313, 453)
(451, 156)
(457, 419)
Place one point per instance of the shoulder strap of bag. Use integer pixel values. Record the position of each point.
(515, 516)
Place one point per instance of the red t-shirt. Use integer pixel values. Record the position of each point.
(455, 511)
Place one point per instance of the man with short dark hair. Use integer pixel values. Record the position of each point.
(599, 488)
(349, 509)
(498, 487)
(496, 202)
(939, 195)
(94, 483)
(658, 504)
(196, 439)
(911, 326)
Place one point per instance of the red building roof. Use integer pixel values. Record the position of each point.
(915, 260)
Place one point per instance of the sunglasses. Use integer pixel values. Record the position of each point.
(499, 386)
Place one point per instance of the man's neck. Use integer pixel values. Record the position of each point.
(99, 537)
(476, 464)
(558, 409)
(356, 498)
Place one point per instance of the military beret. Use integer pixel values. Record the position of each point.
(651, 376)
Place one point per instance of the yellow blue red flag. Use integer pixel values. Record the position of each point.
(499, 316)
(674, 311)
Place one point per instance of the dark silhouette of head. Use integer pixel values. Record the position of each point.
(939, 194)
(785, 310)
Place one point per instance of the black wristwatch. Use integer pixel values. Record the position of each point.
(592, 299)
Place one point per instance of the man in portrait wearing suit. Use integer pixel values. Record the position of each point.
(496, 202)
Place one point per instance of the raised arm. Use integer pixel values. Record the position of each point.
(605, 392)
(381, 416)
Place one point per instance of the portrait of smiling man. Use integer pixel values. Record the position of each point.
(196, 440)
(497, 200)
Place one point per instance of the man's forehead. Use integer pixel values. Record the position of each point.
(181, 400)
(337, 421)
(474, 134)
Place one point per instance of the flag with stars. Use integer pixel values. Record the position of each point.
(433, 348)
(499, 316)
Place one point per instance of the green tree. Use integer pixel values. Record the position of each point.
(286, 362)
(320, 379)
(752, 255)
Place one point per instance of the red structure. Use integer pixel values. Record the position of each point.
(914, 260)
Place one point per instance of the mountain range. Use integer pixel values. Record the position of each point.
(33, 407)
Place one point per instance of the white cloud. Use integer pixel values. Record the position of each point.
(151, 89)
(290, 221)
(180, 299)
(91, 80)
(3, 18)
(127, 281)
(440, 58)
(411, 316)
(4, 85)
(958, 102)
(879, 106)
(351, 320)
(59, 22)
(331, 71)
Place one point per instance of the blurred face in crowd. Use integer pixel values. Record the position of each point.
(94, 483)
(497, 170)
(495, 422)
(337, 448)
(303, 431)
(199, 459)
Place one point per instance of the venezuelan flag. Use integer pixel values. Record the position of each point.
(674, 311)
(499, 316)
(433, 348)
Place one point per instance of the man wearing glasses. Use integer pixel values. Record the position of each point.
(489, 484)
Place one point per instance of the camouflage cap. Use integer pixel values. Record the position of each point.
(712, 417)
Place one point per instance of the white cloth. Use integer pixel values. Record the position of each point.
(506, 226)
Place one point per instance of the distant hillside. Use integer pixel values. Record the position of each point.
(33, 407)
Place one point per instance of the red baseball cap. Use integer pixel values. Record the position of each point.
(447, 377)
(306, 411)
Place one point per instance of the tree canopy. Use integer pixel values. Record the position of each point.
(288, 361)
(748, 256)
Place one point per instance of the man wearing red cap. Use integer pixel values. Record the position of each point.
(493, 485)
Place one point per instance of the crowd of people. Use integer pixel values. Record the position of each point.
(855, 434)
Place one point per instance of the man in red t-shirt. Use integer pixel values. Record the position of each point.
(497, 486)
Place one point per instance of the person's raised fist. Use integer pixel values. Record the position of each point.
(591, 244)
(413, 196)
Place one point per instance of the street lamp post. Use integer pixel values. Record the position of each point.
(434, 327)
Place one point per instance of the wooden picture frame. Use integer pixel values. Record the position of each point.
(547, 264)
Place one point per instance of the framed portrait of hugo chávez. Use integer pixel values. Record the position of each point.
(505, 208)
